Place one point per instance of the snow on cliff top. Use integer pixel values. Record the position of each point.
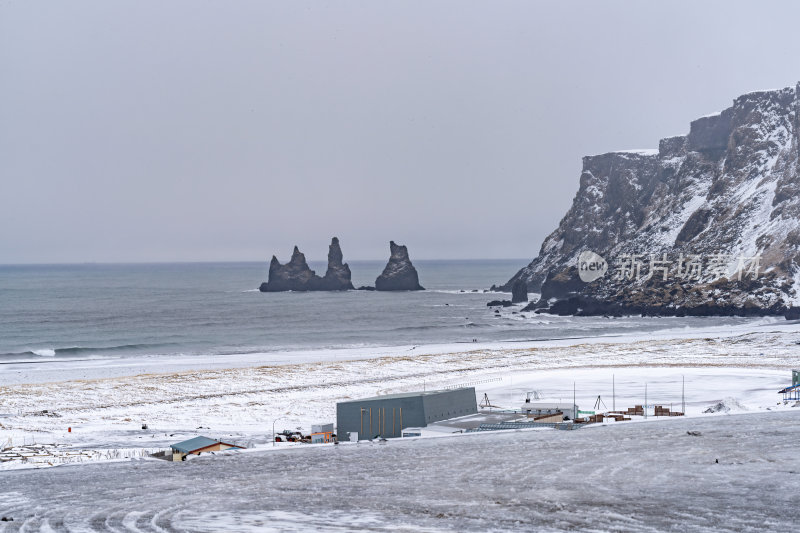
(761, 91)
(640, 151)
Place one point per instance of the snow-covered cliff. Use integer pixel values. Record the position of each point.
(709, 222)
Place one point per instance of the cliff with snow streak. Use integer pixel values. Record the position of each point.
(730, 189)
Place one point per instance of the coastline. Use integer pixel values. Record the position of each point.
(106, 405)
(57, 369)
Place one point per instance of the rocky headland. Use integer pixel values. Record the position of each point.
(707, 224)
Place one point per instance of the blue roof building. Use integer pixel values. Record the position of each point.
(198, 445)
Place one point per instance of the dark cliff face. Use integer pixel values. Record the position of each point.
(609, 207)
(519, 292)
(297, 276)
(399, 274)
(729, 191)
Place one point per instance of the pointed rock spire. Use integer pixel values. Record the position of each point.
(399, 274)
(337, 277)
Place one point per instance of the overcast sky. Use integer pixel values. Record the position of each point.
(181, 131)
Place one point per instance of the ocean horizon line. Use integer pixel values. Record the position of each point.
(248, 261)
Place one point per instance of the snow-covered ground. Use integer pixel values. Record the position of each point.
(742, 389)
(632, 476)
(242, 403)
(733, 473)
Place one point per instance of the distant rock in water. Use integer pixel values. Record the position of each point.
(519, 291)
(293, 276)
(337, 277)
(399, 274)
(297, 276)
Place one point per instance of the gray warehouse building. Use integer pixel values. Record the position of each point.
(386, 416)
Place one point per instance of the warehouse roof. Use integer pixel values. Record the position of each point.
(403, 395)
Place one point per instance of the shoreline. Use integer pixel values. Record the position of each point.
(54, 370)
(242, 402)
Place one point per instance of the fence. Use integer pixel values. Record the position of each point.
(432, 385)
(50, 455)
(524, 425)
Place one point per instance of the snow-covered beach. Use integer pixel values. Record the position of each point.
(106, 402)
(92, 413)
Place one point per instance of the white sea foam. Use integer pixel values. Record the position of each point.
(44, 352)
(462, 291)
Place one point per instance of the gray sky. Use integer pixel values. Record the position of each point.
(198, 130)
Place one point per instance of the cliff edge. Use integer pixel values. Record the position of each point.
(707, 224)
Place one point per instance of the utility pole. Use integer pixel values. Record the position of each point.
(613, 394)
(683, 394)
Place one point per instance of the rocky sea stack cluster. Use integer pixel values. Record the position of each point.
(399, 274)
(297, 276)
(708, 224)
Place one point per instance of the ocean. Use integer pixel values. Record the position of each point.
(86, 311)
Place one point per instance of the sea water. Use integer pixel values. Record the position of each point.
(113, 310)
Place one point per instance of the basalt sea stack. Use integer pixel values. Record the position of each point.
(707, 224)
(297, 276)
(519, 291)
(337, 277)
(399, 274)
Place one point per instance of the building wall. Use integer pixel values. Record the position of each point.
(545, 408)
(349, 417)
(550, 419)
(321, 438)
(390, 415)
(451, 404)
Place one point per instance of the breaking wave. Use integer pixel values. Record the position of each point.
(420, 328)
(82, 350)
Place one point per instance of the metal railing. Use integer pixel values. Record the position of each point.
(500, 426)
(472, 383)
